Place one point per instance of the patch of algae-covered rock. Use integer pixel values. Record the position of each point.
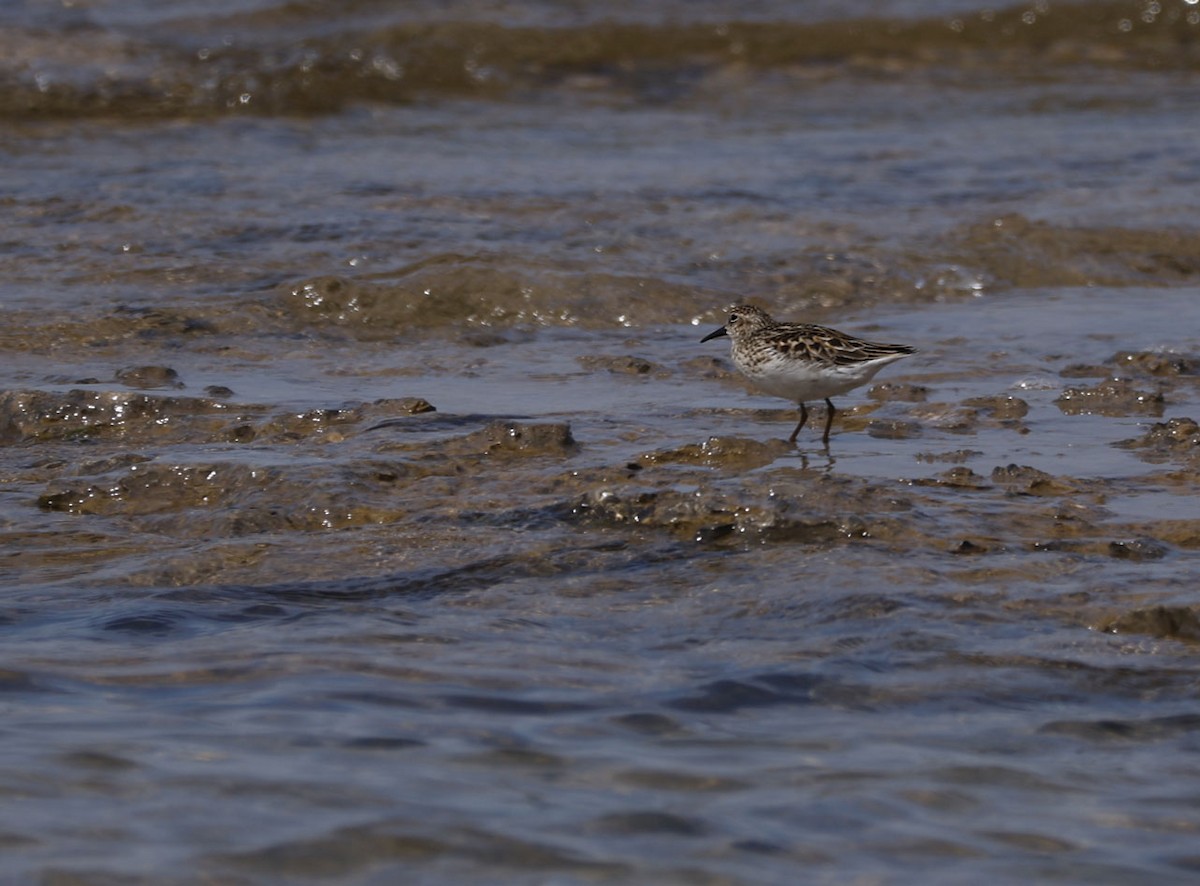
(456, 291)
(85, 414)
(1176, 434)
(809, 509)
(514, 439)
(735, 453)
(1157, 363)
(1114, 398)
(145, 418)
(1175, 440)
(220, 499)
(1173, 622)
(152, 488)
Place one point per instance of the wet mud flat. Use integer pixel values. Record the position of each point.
(666, 450)
(633, 580)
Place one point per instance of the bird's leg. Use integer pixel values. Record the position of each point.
(828, 420)
(803, 419)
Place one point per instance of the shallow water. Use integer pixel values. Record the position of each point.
(372, 511)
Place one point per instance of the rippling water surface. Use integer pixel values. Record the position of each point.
(371, 510)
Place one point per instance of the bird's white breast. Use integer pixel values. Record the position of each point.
(802, 380)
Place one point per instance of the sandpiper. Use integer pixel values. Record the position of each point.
(802, 361)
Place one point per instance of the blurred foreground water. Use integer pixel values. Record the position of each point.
(372, 512)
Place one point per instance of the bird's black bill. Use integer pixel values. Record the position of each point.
(716, 333)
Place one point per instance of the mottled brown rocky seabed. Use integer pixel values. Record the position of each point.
(132, 468)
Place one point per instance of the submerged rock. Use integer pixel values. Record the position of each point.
(954, 455)
(221, 499)
(708, 367)
(1001, 407)
(1114, 398)
(452, 290)
(149, 377)
(1173, 622)
(151, 488)
(405, 405)
(893, 429)
(740, 453)
(446, 290)
(1024, 480)
(1155, 363)
(1030, 253)
(626, 365)
(960, 477)
(808, 510)
(515, 439)
(898, 391)
(1137, 549)
(81, 414)
(129, 416)
(1176, 434)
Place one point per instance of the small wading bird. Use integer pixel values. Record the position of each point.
(801, 361)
